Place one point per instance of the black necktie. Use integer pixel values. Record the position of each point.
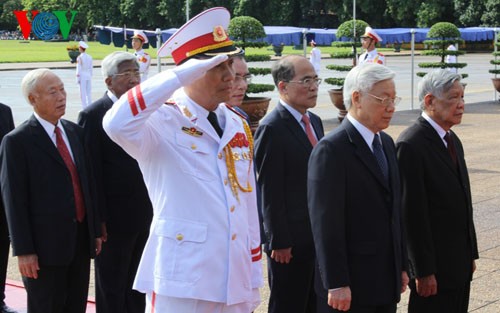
(380, 156)
(212, 118)
(451, 148)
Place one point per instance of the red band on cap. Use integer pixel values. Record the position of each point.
(198, 45)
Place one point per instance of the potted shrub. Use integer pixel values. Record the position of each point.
(441, 35)
(345, 30)
(73, 52)
(247, 31)
(496, 62)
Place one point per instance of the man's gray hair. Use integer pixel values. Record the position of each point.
(31, 80)
(362, 78)
(110, 63)
(436, 82)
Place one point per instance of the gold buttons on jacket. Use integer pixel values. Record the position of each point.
(179, 237)
(233, 237)
(232, 209)
(219, 156)
(225, 181)
(193, 146)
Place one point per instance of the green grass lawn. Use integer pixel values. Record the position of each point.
(15, 51)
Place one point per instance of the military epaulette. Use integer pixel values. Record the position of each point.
(236, 112)
(380, 54)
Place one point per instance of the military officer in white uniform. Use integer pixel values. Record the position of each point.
(138, 40)
(368, 42)
(203, 254)
(84, 74)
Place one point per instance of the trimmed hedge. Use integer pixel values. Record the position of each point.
(257, 88)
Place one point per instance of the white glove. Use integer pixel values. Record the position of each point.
(193, 69)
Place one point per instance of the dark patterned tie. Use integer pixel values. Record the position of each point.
(212, 118)
(380, 156)
(451, 148)
(75, 179)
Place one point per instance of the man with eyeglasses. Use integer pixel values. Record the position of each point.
(437, 204)
(368, 41)
(354, 201)
(122, 198)
(242, 79)
(283, 142)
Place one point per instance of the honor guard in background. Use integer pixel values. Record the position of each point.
(196, 154)
(138, 40)
(368, 42)
(315, 57)
(84, 74)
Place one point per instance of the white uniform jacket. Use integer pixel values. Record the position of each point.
(373, 57)
(144, 61)
(315, 59)
(84, 67)
(204, 243)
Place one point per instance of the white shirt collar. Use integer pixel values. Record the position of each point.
(49, 127)
(296, 114)
(367, 134)
(441, 132)
(112, 96)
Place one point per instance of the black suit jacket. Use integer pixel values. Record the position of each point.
(38, 193)
(437, 206)
(356, 218)
(282, 151)
(122, 197)
(6, 125)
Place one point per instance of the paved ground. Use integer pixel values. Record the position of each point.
(479, 131)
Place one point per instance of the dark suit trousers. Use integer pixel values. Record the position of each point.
(292, 286)
(115, 270)
(388, 308)
(62, 289)
(4, 259)
(451, 300)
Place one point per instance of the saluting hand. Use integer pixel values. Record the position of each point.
(194, 69)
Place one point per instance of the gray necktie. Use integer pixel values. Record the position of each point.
(380, 156)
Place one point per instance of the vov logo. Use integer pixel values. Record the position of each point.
(45, 24)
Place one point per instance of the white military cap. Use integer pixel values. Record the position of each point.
(369, 32)
(83, 44)
(205, 34)
(139, 34)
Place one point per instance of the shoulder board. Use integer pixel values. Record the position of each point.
(145, 53)
(380, 53)
(235, 112)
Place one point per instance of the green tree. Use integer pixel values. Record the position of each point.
(7, 18)
(403, 11)
(436, 11)
(468, 12)
(491, 14)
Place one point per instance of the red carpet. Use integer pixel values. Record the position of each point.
(15, 297)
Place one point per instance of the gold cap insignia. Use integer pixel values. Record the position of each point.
(219, 34)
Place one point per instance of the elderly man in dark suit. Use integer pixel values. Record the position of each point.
(437, 203)
(283, 143)
(355, 201)
(122, 196)
(6, 125)
(47, 197)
